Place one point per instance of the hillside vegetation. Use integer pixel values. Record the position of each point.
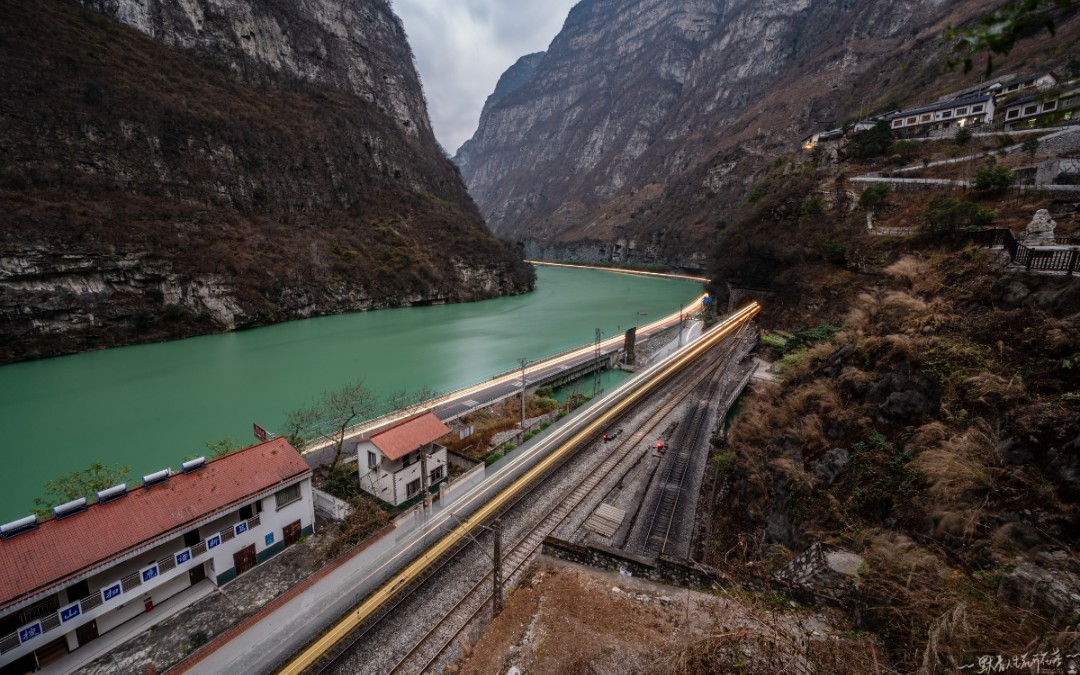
(927, 418)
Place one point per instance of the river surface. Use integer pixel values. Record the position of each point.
(150, 406)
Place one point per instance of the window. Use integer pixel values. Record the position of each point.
(192, 538)
(1030, 109)
(79, 591)
(976, 108)
(946, 114)
(436, 474)
(249, 511)
(897, 123)
(961, 111)
(410, 458)
(1050, 105)
(372, 460)
(287, 496)
(911, 120)
(926, 118)
(412, 487)
(1015, 112)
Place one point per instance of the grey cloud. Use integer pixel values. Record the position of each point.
(463, 46)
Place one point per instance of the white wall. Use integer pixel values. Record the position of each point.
(130, 603)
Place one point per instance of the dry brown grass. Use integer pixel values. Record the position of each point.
(992, 389)
(894, 347)
(958, 466)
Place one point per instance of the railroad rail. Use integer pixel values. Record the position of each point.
(688, 439)
(444, 633)
(421, 567)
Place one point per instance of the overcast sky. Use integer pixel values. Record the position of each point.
(463, 46)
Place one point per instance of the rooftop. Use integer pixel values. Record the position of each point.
(63, 550)
(943, 105)
(400, 439)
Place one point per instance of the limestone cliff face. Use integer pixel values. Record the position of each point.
(272, 161)
(644, 118)
(358, 46)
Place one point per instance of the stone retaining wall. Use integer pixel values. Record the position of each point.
(662, 569)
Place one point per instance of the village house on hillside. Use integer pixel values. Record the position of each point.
(1008, 103)
(965, 112)
(1033, 109)
(68, 580)
(391, 460)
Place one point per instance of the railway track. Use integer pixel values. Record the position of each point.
(442, 636)
(320, 655)
(687, 440)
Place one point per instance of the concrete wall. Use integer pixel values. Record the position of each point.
(330, 506)
(661, 569)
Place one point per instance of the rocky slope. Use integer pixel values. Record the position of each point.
(645, 121)
(270, 162)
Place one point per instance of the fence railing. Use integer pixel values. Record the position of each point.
(1033, 257)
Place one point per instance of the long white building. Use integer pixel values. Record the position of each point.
(70, 579)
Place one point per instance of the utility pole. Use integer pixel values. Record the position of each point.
(521, 438)
(496, 559)
(680, 326)
(496, 571)
(424, 477)
(596, 373)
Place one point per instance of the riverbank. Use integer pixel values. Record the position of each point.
(148, 406)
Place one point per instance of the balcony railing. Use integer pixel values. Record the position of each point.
(127, 584)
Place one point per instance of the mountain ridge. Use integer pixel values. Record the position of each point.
(646, 122)
(155, 192)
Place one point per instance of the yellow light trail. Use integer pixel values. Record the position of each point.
(390, 588)
(464, 394)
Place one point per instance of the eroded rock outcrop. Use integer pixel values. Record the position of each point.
(248, 163)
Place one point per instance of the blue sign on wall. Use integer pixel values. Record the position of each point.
(270, 539)
(183, 556)
(69, 613)
(31, 631)
(110, 592)
(241, 528)
(149, 573)
(214, 541)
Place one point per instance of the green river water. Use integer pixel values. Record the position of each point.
(149, 406)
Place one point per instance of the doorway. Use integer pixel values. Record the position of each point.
(292, 533)
(244, 559)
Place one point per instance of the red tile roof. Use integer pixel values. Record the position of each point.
(400, 439)
(60, 550)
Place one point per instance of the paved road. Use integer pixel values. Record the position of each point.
(458, 403)
(297, 622)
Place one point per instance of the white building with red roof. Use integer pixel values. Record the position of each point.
(67, 580)
(390, 459)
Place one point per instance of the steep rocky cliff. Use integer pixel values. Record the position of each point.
(645, 121)
(248, 163)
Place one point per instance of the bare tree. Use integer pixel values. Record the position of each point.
(336, 411)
